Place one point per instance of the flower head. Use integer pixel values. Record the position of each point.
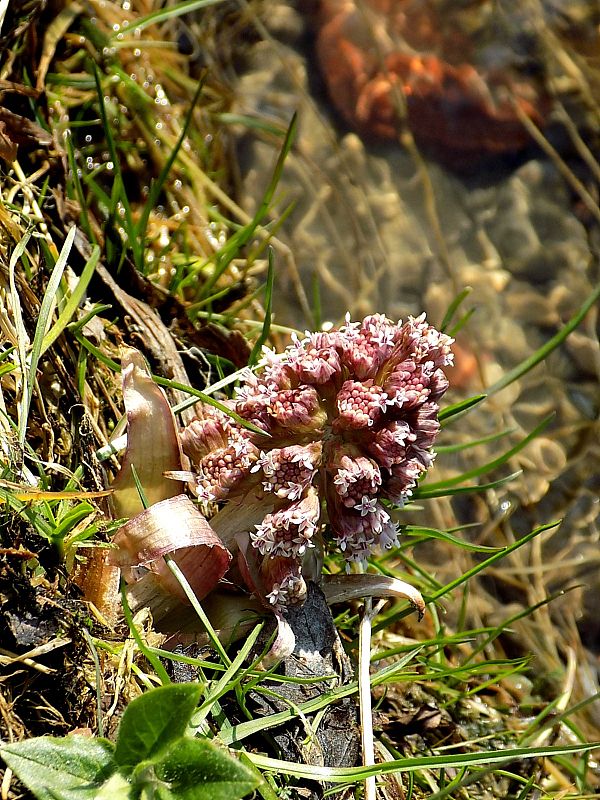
(360, 405)
(289, 530)
(355, 478)
(288, 471)
(357, 532)
(349, 419)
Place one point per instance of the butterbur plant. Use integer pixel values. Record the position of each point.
(347, 422)
(309, 456)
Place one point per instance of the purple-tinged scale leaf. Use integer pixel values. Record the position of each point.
(152, 440)
(343, 588)
(172, 527)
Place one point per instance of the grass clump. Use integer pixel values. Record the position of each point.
(118, 227)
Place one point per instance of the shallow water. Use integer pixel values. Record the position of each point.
(374, 229)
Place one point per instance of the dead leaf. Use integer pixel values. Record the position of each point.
(8, 149)
(21, 130)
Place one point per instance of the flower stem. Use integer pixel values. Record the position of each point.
(364, 690)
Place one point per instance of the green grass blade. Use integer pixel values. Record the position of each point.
(29, 512)
(498, 630)
(544, 351)
(76, 183)
(118, 193)
(164, 14)
(42, 326)
(491, 465)
(446, 761)
(445, 536)
(156, 663)
(268, 306)
(466, 576)
(428, 493)
(110, 141)
(169, 384)
(139, 488)
(254, 123)
(223, 684)
(439, 642)
(245, 729)
(195, 603)
(243, 235)
(73, 302)
(157, 184)
(459, 408)
(564, 716)
(458, 448)
(491, 560)
(21, 332)
(316, 302)
(461, 322)
(453, 307)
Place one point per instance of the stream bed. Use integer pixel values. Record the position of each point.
(378, 227)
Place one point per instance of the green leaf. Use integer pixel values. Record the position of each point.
(197, 769)
(153, 721)
(62, 769)
(117, 787)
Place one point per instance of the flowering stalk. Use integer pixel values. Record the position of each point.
(349, 420)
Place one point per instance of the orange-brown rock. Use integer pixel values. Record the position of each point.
(457, 69)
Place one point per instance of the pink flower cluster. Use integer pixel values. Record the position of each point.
(351, 417)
